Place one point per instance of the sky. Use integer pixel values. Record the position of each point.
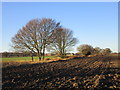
(93, 23)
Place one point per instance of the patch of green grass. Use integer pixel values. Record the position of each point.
(24, 58)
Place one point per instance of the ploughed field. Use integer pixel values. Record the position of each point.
(80, 72)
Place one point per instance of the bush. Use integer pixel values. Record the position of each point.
(96, 51)
(106, 51)
(85, 49)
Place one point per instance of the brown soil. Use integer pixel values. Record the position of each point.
(81, 72)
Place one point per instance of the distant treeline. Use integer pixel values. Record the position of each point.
(13, 54)
(27, 54)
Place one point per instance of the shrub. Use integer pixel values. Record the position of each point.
(85, 49)
(106, 51)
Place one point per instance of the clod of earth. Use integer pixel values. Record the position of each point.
(87, 72)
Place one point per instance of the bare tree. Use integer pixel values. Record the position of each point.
(63, 42)
(35, 36)
(85, 49)
(48, 32)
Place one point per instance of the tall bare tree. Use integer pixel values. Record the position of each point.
(63, 42)
(35, 36)
(49, 29)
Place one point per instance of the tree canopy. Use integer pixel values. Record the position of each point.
(36, 35)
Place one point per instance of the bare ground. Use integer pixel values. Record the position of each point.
(83, 73)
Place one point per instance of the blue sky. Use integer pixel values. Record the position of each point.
(94, 23)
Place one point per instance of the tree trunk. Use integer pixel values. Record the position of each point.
(39, 56)
(63, 53)
(43, 52)
(32, 56)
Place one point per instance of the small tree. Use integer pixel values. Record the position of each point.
(85, 49)
(96, 50)
(106, 51)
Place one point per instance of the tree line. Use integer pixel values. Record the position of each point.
(86, 50)
(22, 54)
(16, 54)
(39, 35)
